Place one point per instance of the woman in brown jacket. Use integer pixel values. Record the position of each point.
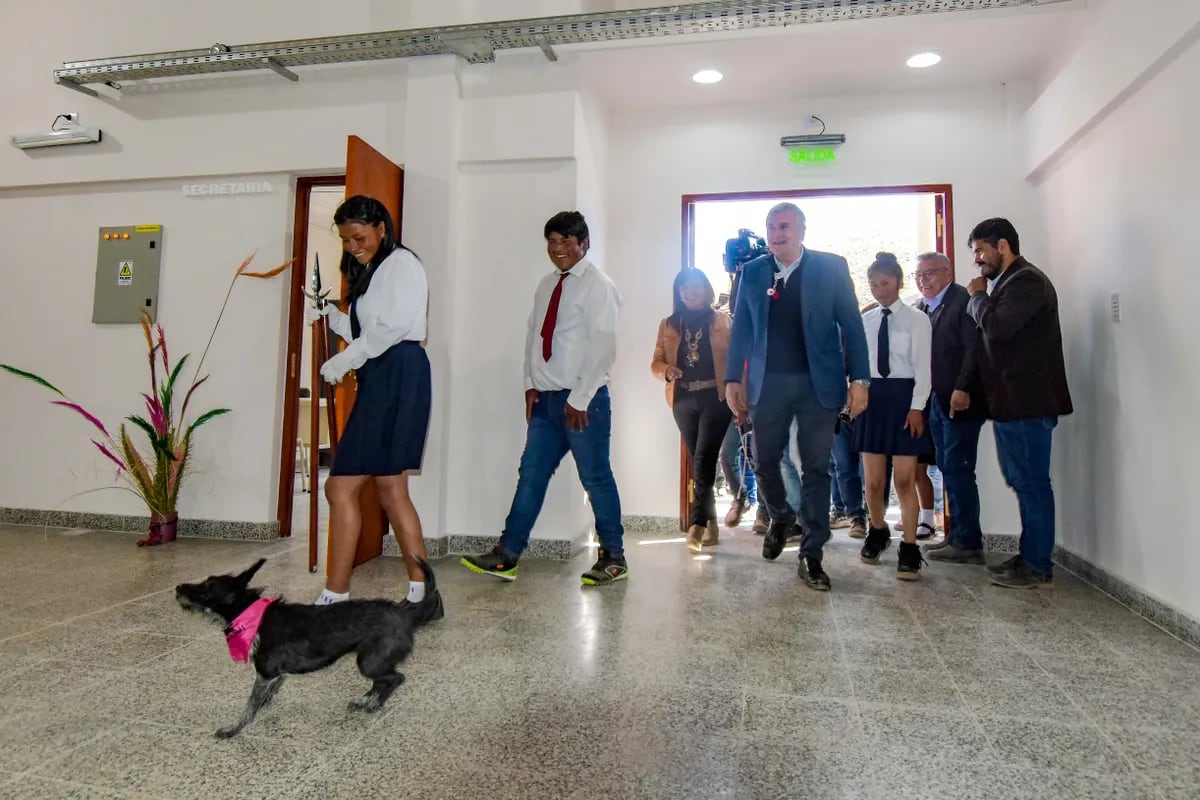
(690, 357)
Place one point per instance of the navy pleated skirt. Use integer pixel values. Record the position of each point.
(880, 429)
(385, 434)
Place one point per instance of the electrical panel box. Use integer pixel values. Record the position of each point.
(127, 262)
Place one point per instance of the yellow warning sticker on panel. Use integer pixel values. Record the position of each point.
(147, 228)
(125, 273)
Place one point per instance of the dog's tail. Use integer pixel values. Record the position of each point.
(430, 579)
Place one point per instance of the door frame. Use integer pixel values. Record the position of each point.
(298, 279)
(943, 203)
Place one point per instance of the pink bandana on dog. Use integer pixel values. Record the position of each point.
(241, 632)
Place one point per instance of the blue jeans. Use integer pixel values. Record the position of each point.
(786, 397)
(734, 464)
(792, 483)
(957, 443)
(1023, 448)
(846, 474)
(547, 440)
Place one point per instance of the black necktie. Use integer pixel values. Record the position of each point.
(882, 357)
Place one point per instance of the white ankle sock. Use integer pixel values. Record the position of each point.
(416, 591)
(927, 518)
(329, 598)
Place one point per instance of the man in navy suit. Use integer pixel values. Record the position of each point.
(794, 308)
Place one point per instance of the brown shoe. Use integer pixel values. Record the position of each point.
(734, 517)
(711, 534)
(695, 537)
(762, 520)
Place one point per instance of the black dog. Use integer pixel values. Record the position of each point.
(291, 639)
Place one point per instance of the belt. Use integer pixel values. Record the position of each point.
(695, 386)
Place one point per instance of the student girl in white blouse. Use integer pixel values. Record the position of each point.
(384, 438)
(899, 344)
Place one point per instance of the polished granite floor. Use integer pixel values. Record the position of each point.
(696, 679)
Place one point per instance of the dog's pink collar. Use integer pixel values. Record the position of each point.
(241, 632)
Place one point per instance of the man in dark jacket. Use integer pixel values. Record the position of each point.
(957, 406)
(1025, 378)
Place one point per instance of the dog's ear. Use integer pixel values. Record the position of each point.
(244, 578)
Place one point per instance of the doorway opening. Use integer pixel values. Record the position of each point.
(854, 223)
(303, 456)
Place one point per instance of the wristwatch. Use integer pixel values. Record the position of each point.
(863, 382)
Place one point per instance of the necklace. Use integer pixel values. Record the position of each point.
(693, 346)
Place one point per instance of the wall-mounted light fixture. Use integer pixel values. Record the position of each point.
(68, 132)
(821, 139)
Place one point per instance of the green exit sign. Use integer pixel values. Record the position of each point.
(812, 155)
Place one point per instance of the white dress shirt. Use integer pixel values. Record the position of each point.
(392, 310)
(585, 337)
(785, 271)
(910, 337)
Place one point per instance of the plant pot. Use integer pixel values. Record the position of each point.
(162, 530)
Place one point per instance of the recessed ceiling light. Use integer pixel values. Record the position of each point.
(922, 60)
(707, 76)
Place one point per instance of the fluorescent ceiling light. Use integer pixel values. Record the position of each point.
(707, 76)
(71, 133)
(922, 60)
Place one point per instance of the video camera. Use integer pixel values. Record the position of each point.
(746, 246)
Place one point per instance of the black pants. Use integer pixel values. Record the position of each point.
(703, 418)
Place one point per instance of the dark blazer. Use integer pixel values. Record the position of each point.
(1021, 362)
(830, 311)
(956, 345)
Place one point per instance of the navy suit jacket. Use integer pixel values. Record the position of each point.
(830, 314)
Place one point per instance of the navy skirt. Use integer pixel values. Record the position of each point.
(880, 429)
(385, 434)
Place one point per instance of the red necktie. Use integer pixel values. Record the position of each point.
(551, 317)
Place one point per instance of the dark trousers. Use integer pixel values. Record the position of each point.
(788, 396)
(957, 444)
(703, 418)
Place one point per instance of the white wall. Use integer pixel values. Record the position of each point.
(1121, 209)
(48, 272)
(657, 157)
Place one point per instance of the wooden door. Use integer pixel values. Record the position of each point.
(371, 173)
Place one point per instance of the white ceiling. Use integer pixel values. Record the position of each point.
(837, 58)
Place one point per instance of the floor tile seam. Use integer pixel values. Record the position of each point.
(1078, 704)
(76, 618)
(1127, 607)
(860, 729)
(962, 699)
(61, 754)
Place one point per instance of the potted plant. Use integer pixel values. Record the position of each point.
(156, 475)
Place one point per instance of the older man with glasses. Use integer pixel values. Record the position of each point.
(958, 407)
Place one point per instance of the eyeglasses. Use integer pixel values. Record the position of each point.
(921, 277)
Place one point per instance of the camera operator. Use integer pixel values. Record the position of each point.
(787, 341)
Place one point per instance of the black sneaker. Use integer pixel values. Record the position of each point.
(1004, 566)
(877, 541)
(908, 562)
(1023, 576)
(492, 562)
(606, 570)
(814, 577)
(776, 538)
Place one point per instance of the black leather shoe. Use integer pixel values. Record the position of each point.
(776, 537)
(814, 577)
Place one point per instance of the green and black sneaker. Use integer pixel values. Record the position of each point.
(492, 562)
(606, 570)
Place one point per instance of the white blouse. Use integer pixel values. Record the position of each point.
(910, 338)
(392, 310)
